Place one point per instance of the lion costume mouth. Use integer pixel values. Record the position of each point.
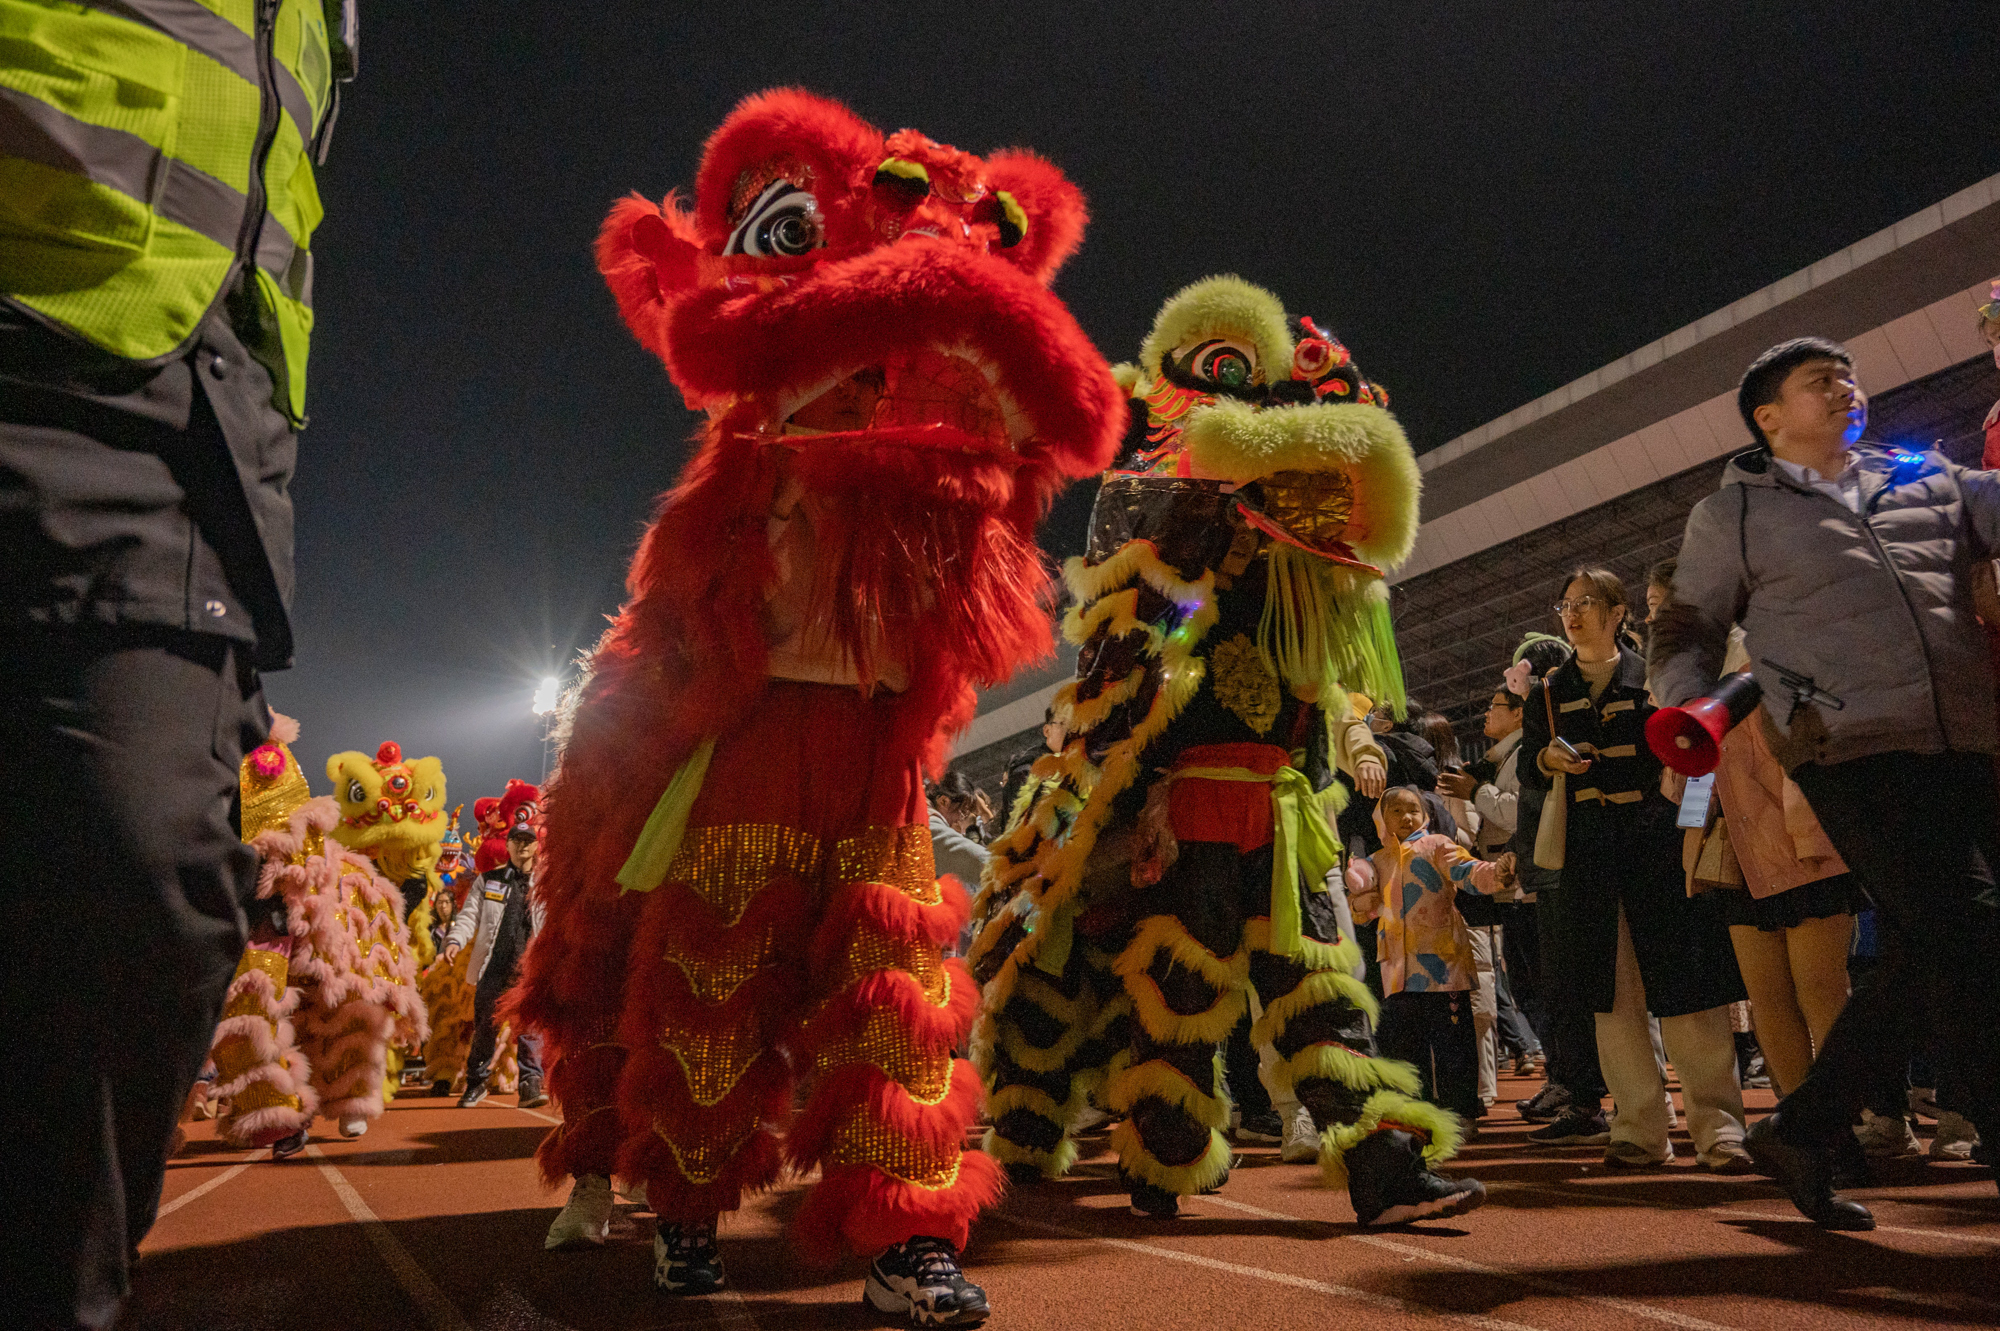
(942, 396)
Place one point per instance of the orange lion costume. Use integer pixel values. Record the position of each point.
(737, 872)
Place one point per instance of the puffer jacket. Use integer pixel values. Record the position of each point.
(1875, 607)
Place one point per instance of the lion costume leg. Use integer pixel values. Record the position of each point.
(259, 1068)
(1052, 1048)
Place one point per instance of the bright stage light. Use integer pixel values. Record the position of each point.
(545, 695)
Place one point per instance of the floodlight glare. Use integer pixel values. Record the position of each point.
(545, 696)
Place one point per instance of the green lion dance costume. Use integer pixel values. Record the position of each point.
(1176, 860)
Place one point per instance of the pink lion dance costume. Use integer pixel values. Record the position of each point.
(737, 872)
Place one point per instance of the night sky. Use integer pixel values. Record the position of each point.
(1484, 201)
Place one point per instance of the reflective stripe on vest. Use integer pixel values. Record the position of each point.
(136, 137)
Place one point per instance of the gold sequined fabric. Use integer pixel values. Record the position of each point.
(272, 965)
(715, 1060)
(1315, 506)
(884, 1043)
(715, 975)
(868, 952)
(269, 802)
(728, 865)
(860, 1140)
(703, 1162)
(898, 857)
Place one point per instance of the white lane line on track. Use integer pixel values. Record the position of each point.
(1538, 1283)
(1386, 1302)
(423, 1291)
(203, 1189)
(533, 1113)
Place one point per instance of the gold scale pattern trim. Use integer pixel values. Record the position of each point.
(701, 1163)
(713, 1061)
(898, 857)
(728, 865)
(714, 976)
(883, 1043)
(861, 1140)
(868, 952)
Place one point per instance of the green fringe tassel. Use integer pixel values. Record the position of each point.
(1329, 625)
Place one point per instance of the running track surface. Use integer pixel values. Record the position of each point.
(435, 1220)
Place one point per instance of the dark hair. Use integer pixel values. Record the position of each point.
(1507, 697)
(1762, 382)
(1412, 792)
(1606, 585)
(1443, 739)
(956, 785)
(1662, 573)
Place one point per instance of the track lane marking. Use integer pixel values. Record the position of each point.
(423, 1291)
(1387, 1302)
(1540, 1284)
(1879, 1228)
(203, 1189)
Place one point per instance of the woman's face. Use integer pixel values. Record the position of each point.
(1588, 620)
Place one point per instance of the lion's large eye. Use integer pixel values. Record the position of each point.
(784, 222)
(1225, 364)
(355, 794)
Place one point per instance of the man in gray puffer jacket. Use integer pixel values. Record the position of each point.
(1850, 569)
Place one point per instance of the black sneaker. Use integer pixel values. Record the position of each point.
(1262, 1127)
(532, 1094)
(1152, 1202)
(1545, 1105)
(474, 1093)
(921, 1278)
(286, 1147)
(1389, 1183)
(1574, 1127)
(685, 1259)
(441, 1088)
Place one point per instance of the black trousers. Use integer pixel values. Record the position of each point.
(122, 879)
(1921, 833)
(1569, 1037)
(1433, 1031)
(498, 978)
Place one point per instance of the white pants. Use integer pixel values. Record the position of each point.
(1703, 1053)
(1485, 1012)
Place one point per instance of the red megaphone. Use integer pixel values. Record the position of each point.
(1689, 739)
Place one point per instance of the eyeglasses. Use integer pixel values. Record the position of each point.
(1579, 605)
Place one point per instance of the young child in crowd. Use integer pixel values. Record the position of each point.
(1428, 970)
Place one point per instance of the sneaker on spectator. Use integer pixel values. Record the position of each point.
(1528, 1062)
(1301, 1139)
(1956, 1137)
(1544, 1106)
(1261, 1127)
(1726, 1158)
(1886, 1137)
(1631, 1155)
(1575, 1126)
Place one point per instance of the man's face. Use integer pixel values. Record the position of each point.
(1818, 404)
(1503, 716)
(1403, 814)
(521, 854)
(1052, 736)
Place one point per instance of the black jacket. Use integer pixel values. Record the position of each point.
(1624, 776)
(144, 494)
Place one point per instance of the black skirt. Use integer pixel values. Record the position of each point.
(1838, 895)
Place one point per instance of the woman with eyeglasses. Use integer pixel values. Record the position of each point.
(1624, 936)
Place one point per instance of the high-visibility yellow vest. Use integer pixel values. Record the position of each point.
(148, 148)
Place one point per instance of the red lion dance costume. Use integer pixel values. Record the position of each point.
(736, 870)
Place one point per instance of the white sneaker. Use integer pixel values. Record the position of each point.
(1301, 1139)
(586, 1216)
(353, 1127)
(1886, 1138)
(635, 1193)
(1673, 1118)
(1956, 1137)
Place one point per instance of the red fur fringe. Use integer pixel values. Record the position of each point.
(936, 1126)
(883, 910)
(862, 1209)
